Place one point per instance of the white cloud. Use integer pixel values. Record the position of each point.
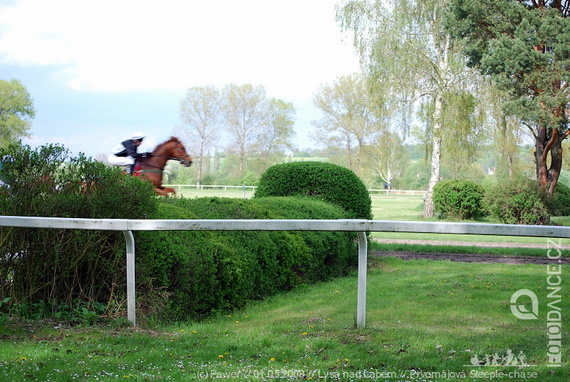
(290, 47)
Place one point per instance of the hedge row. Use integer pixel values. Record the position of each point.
(49, 268)
(180, 274)
(189, 274)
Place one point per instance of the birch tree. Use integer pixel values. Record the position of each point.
(403, 47)
(387, 156)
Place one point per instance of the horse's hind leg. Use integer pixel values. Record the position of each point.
(165, 191)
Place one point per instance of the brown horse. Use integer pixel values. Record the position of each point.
(152, 166)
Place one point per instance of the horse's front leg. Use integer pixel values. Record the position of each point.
(169, 191)
(165, 191)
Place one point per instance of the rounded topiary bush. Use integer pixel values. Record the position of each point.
(518, 201)
(325, 181)
(458, 199)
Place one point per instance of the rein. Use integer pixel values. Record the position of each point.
(164, 156)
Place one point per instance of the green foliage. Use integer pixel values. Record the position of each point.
(518, 201)
(16, 111)
(458, 199)
(559, 202)
(191, 274)
(63, 266)
(324, 181)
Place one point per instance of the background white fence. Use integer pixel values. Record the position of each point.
(180, 187)
(359, 226)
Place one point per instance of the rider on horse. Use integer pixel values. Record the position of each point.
(126, 154)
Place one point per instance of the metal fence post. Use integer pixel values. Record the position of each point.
(130, 241)
(362, 267)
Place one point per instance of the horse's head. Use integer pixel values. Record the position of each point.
(179, 152)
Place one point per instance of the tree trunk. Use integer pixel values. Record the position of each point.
(555, 165)
(435, 157)
(540, 155)
(548, 143)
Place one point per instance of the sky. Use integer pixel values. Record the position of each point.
(98, 71)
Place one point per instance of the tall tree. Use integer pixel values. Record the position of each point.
(200, 122)
(350, 118)
(506, 130)
(244, 113)
(16, 111)
(403, 47)
(388, 156)
(276, 134)
(524, 46)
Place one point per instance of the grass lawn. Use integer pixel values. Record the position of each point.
(426, 321)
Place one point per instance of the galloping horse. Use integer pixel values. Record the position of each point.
(152, 166)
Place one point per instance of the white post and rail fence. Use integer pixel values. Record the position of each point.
(251, 189)
(361, 227)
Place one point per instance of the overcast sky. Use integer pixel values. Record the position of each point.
(99, 70)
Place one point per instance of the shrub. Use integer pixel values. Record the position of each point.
(65, 266)
(518, 201)
(325, 181)
(190, 274)
(458, 199)
(559, 203)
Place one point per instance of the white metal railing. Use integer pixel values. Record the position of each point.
(361, 227)
(252, 188)
(215, 186)
(397, 192)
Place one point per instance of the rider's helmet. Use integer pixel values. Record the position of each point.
(138, 136)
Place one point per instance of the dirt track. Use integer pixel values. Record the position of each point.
(472, 258)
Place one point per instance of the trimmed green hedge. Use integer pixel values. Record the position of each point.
(325, 181)
(190, 274)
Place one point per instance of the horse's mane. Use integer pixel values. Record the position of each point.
(172, 139)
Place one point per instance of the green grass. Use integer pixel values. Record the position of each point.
(423, 319)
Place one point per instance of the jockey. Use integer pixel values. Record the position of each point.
(126, 154)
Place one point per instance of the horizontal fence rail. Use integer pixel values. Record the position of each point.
(381, 191)
(361, 227)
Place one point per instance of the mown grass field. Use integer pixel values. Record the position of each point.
(426, 321)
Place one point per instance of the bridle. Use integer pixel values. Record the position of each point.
(182, 161)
